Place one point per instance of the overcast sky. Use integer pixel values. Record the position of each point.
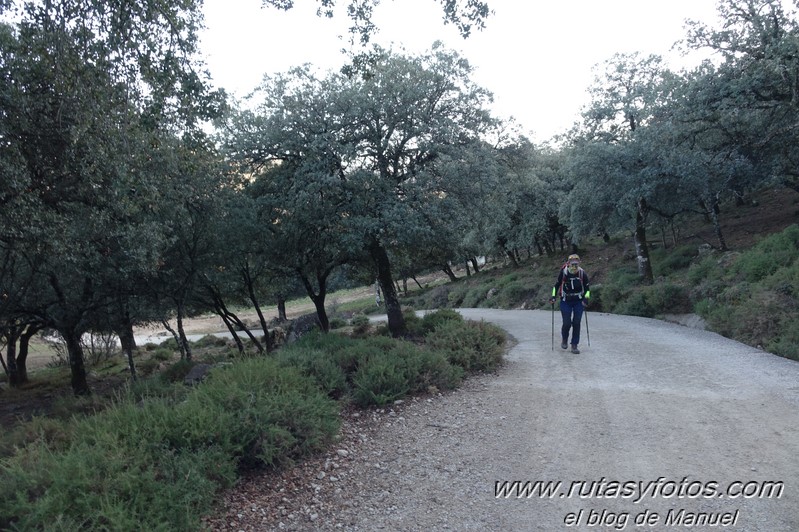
(536, 56)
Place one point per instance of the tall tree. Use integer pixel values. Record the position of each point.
(89, 90)
(357, 152)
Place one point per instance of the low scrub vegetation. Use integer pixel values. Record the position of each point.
(156, 458)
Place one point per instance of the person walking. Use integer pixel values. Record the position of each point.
(573, 290)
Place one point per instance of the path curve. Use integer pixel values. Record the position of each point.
(650, 405)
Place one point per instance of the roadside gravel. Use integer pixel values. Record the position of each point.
(651, 403)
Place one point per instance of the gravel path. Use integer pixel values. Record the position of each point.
(654, 426)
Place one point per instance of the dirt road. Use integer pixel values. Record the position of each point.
(654, 426)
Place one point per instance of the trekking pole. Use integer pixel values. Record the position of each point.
(553, 326)
(587, 331)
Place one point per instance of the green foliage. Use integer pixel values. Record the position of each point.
(161, 354)
(768, 256)
(512, 293)
(755, 299)
(360, 324)
(433, 320)
(618, 287)
(321, 365)
(474, 346)
(337, 323)
(177, 372)
(210, 340)
(385, 376)
(666, 262)
(156, 463)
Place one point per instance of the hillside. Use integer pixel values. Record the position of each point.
(690, 275)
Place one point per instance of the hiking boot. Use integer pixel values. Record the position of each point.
(564, 345)
(575, 350)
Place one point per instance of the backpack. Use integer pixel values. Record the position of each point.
(565, 270)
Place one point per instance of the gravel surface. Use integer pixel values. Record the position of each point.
(647, 429)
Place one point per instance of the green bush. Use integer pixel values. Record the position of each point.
(209, 340)
(474, 346)
(666, 262)
(433, 320)
(706, 270)
(413, 323)
(177, 372)
(387, 375)
(161, 354)
(337, 323)
(778, 251)
(474, 296)
(618, 287)
(318, 364)
(380, 380)
(360, 324)
(157, 464)
(457, 294)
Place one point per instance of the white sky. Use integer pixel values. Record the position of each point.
(536, 56)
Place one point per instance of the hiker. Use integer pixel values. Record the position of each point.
(573, 291)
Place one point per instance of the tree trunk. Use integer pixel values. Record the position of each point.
(474, 265)
(254, 299)
(321, 312)
(80, 386)
(175, 335)
(417, 282)
(281, 309)
(22, 355)
(182, 335)
(713, 214)
(232, 331)
(512, 258)
(11, 356)
(232, 320)
(446, 268)
(468, 269)
(128, 343)
(318, 298)
(396, 322)
(641, 247)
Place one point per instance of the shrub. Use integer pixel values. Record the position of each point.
(777, 251)
(667, 298)
(706, 270)
(319, 365)
(379, 380)
(474, 296)
(413, 323)
(177, 372)
(385, 376)
(337, 323)
(209, 340)
(474, 346)
(432, 320)
(360, 324)
(161, 354)
(617, 288)
(667, 262)
(158, 463)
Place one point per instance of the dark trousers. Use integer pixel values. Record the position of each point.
(572, 313)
